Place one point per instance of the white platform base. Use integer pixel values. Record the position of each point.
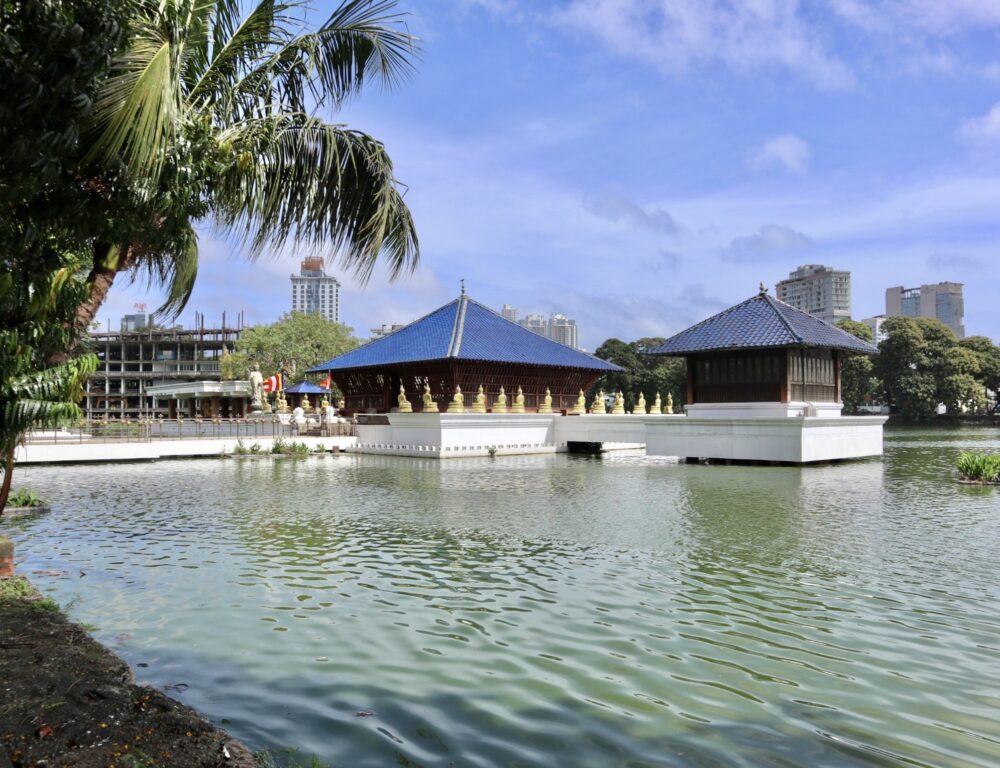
(781, 436)
(801, 440)
(454, 435)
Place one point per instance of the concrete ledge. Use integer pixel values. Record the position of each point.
(157, 449)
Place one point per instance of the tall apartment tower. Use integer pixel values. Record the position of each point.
(821, 291)
(536, 324)
(563, 330)
(509, 313)
(315, 291)
(941, 300)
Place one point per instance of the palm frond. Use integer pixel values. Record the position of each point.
(320, 185)
(137, 107)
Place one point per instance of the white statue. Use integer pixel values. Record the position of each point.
(256, 389)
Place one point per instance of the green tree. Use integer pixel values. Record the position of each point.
(36, 314)
(916, 364)
(988, 356)
(858, 384)
(208, 113)
(648, 374)
(295, 343)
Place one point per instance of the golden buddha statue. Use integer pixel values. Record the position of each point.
(457, 404)
(657, 406)
(500, 404)
(479, 404)
(546, 406)
(619, 404)
(640, 405)
(598, 406)
(670, 403)
(429, 405)
(306, 405)
(581, 405)
(518, 406)
(404, 404)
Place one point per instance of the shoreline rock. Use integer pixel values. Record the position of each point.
(68, 700)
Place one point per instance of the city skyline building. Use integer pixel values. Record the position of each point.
(944, 301)
(536, 324)
(563, 330)
(556, 327)
(875, 326)
(315, 291)
(821, 291)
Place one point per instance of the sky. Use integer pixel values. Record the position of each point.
(639, 165)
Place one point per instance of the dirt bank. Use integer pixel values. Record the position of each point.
(66, 700)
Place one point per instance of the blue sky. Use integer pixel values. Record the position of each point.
(641, 164)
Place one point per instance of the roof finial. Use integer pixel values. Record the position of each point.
(462, 281)
(763, 288)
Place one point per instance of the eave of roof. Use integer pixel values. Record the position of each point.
(760, 322)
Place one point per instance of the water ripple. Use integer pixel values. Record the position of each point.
(537, 611)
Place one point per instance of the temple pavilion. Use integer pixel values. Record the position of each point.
(763, 351)
(296, 394)
(462, 344)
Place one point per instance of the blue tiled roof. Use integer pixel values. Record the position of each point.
(464, 330)
(305, 388)
(758, 323)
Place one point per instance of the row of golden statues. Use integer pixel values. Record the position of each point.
(457, 404)
(281, 405)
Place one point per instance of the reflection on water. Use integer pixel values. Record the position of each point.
(550, 610)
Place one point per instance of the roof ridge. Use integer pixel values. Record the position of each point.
(458, 328)
(772, 302)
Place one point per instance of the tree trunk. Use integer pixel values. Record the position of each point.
(107, 264)
(8, 475)
(99, 282)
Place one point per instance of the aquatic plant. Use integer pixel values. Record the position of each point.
(25, 498)
(981, 467)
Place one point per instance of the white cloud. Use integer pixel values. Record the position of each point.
(985, 128)
(674, 35)
(786, 151)
(769, 240)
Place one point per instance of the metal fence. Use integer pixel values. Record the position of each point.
(146, 430)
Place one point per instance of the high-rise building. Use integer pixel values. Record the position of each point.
(941, 300)
(819, 290)
(563, 330)
(535, 323)
(875, 325)
(558, 327)
(315, 291)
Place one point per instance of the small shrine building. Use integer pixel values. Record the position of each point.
(462, 344)
(763, 351)
(297, 393)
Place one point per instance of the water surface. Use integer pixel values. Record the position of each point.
(550, 610)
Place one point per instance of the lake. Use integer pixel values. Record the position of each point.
(549, 610)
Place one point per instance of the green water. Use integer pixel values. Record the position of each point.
(550, 611)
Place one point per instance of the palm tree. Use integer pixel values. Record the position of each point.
(211, 114)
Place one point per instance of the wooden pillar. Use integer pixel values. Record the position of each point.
(172, 408)
(785, 384)
(837, 359)
(216, 406)
(690, 380)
